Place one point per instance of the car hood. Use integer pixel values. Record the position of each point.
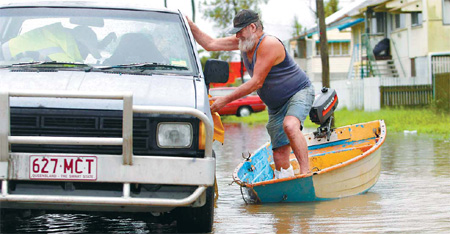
(152, 90)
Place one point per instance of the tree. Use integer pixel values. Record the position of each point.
(222, 12)
(297, 27)
(331, 7)
(324, 47)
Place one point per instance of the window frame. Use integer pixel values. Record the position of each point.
(331, 50)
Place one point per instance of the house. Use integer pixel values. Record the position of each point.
(306, 52)
(305, 48)
(400, 43)
(415, 35)
(417, 31)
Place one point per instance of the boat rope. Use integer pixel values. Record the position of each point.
(242, 194)
(240, 187)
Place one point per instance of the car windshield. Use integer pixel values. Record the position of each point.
(96, 37)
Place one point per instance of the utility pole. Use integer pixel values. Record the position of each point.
(323, 44)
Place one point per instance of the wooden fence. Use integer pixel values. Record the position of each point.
(407, 95)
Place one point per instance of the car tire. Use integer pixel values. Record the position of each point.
(244, 111)
(197, 219)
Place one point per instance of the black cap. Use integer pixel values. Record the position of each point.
(243, 19)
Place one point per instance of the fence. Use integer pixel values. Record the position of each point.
(440, 67)
(442, 90)
(408, 95)
(366, 93)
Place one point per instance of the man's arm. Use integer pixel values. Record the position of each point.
(270, 53)
(213, 44)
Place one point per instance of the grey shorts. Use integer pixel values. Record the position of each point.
(299, 106)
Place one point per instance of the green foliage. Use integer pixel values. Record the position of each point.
(297, 27)
(424, 120)
(331, 7)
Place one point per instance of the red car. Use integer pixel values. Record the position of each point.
(241, 107)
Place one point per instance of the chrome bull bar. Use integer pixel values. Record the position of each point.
(126, 141)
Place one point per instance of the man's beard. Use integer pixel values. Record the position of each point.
(247, 44)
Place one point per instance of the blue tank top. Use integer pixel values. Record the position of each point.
(282, 82)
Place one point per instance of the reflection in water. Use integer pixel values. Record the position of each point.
(411, 195)
(81, 223)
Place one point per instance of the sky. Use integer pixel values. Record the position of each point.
(277, 15)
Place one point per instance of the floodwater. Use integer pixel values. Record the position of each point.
(412, 195)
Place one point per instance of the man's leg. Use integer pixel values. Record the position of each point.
(283, 167)
(291, 126)
(281, 157)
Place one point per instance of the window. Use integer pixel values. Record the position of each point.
(413, 67)
(416, 18)
(446, 11)
(378, 23)
(345, 48)
(335, 48)
(398, 21)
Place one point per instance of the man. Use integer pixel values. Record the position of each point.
(280, 83)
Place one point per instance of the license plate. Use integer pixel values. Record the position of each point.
(44, 167)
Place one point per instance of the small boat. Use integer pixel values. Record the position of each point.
(344, 161)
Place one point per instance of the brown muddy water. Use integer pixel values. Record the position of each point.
(412, 195)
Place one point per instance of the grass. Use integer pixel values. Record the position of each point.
(424, 120)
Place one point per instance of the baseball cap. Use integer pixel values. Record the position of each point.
(243, 19)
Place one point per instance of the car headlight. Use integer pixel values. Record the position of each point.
(174, 135)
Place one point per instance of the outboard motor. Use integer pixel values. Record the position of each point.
(322, 112)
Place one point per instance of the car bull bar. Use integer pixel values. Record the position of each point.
(126, 141)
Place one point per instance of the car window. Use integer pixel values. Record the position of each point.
(95, 36)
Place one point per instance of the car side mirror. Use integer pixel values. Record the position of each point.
(216, 71)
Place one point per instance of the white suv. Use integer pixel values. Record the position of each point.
(105, 108)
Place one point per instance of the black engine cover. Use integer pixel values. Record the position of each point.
(323, 106)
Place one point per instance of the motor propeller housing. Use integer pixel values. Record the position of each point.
(322, 111)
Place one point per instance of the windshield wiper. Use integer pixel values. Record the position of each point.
(145, 66)
(53, 65)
